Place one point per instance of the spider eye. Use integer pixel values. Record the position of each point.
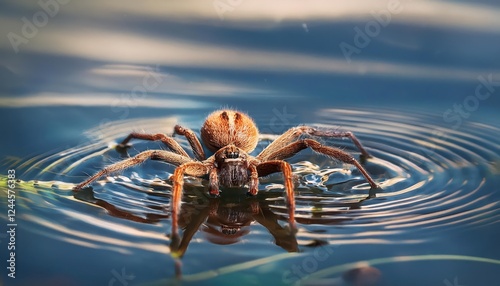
(232, 155)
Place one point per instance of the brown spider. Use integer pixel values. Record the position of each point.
(231, 135)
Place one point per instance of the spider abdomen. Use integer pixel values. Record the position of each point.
(229, 127)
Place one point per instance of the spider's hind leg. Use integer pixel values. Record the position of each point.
(169, 142)
(193, 141)
(295, 133)
(339, 134)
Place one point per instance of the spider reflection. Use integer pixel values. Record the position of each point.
(226, 220)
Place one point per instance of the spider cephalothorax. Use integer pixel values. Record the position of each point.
(233, 167)
(231, 135)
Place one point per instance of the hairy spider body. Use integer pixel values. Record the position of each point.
(231, 135)
(233, 172)
(228, 127)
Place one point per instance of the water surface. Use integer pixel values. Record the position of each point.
(422, 96)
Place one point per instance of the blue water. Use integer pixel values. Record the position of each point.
(422, 95)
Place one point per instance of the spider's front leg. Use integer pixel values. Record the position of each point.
(197, 169)
(293, 148)
(214, 183)
(268, 167)
(253, 186)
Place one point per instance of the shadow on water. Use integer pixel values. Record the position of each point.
(435, 182)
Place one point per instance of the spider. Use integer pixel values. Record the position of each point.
(231, 135)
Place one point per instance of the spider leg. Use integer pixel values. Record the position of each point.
(276, 166)
(293, 148)
(294, 133)
(253, 186)
(284, 139)
(169, 157)
(214, 183)
(168, 141)
(192, 168)
(335, 133)
(193, 141)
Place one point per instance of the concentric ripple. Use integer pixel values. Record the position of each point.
(433, 179)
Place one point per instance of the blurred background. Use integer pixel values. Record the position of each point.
(88, 57)
(75, 72)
